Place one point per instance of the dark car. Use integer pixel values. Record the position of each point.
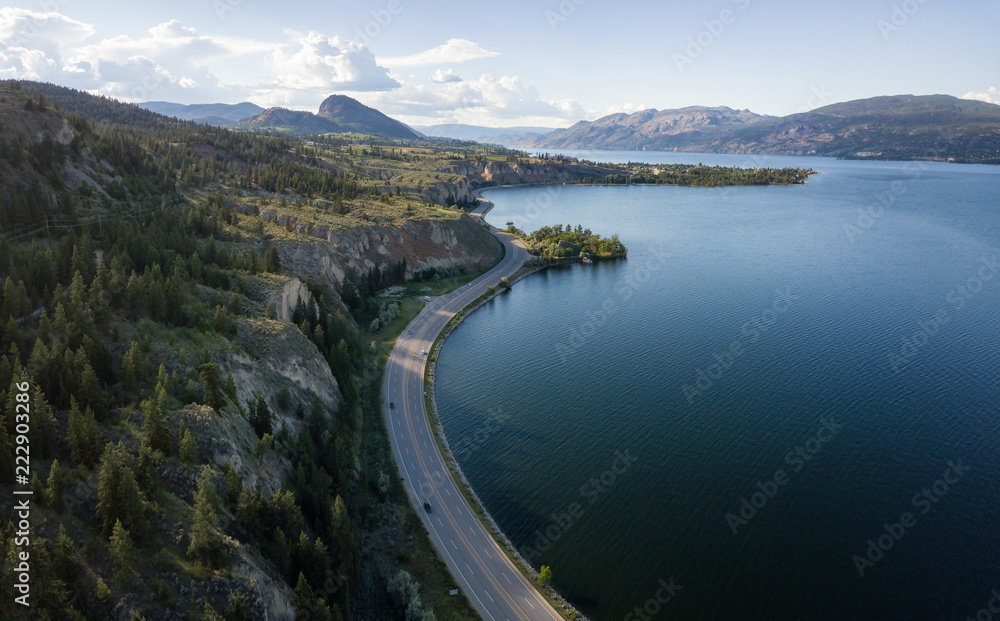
(392, 406)
(427, 507)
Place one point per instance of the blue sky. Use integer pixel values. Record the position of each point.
(517, 62)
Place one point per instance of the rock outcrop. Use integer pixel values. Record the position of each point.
(293, 292)
(459, 242)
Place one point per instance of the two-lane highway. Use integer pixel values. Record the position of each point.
(496, 588)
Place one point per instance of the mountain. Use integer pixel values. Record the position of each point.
(355, 116)
(292, 121)
(508, 136)
(207, 114)
(889, 127)
(338, 113)
(646, 129)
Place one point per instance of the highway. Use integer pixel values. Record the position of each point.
(492, 583)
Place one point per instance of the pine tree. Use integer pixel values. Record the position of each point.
(187, 446)
(55, 486)
(120, 546)
(209, 373)
(132, 366)
(342, 547)
(157, 435)
(84, 435)
(260, 416)
(117, 493)
(207, 541)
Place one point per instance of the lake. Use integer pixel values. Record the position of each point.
(784, 404)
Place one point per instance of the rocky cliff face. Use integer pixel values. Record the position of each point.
(461, 243)
(285, 301)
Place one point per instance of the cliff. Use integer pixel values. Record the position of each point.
(459, 242)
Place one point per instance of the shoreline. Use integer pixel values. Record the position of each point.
(564, 607)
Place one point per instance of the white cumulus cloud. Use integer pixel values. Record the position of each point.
(20, 26)
(485, 101)
(331, 63)
(990, 95)
(454, 51)
(442, 77)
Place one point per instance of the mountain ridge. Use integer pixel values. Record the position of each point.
(884, 127)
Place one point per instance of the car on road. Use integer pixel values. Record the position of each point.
(427, 298)
(423, 352)
(392, 406)
(427, 507)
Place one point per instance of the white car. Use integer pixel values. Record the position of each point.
(423, 352)
(427, 298)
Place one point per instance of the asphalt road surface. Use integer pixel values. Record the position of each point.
(488, 578)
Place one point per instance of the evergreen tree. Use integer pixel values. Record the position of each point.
(117, 493)
(157, 435)
(209, 373)
(187, 446)
(260, 416)
(55, 486)
(84, 436)
(207, 541)
(120, 545)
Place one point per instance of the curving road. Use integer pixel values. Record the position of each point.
(494, 586)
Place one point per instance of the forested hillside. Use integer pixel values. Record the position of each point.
(191, 455)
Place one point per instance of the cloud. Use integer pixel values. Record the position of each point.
(331, 63)
(442, 77)
(485, 101)
(18, 27)
(626, 108)
(454, 51)
(990, 95)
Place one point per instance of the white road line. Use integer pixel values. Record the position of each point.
(529, 603)
(507, 579)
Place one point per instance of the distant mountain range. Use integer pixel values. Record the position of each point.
(338, 113)
(499, 135)
(208, 114)
(893, 127)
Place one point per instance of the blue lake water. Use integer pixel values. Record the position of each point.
(770, 380)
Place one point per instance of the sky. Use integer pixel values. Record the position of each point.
(495, 63)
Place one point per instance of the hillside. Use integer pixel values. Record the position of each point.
(290, 121)
(185, 305)
(896, 127)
